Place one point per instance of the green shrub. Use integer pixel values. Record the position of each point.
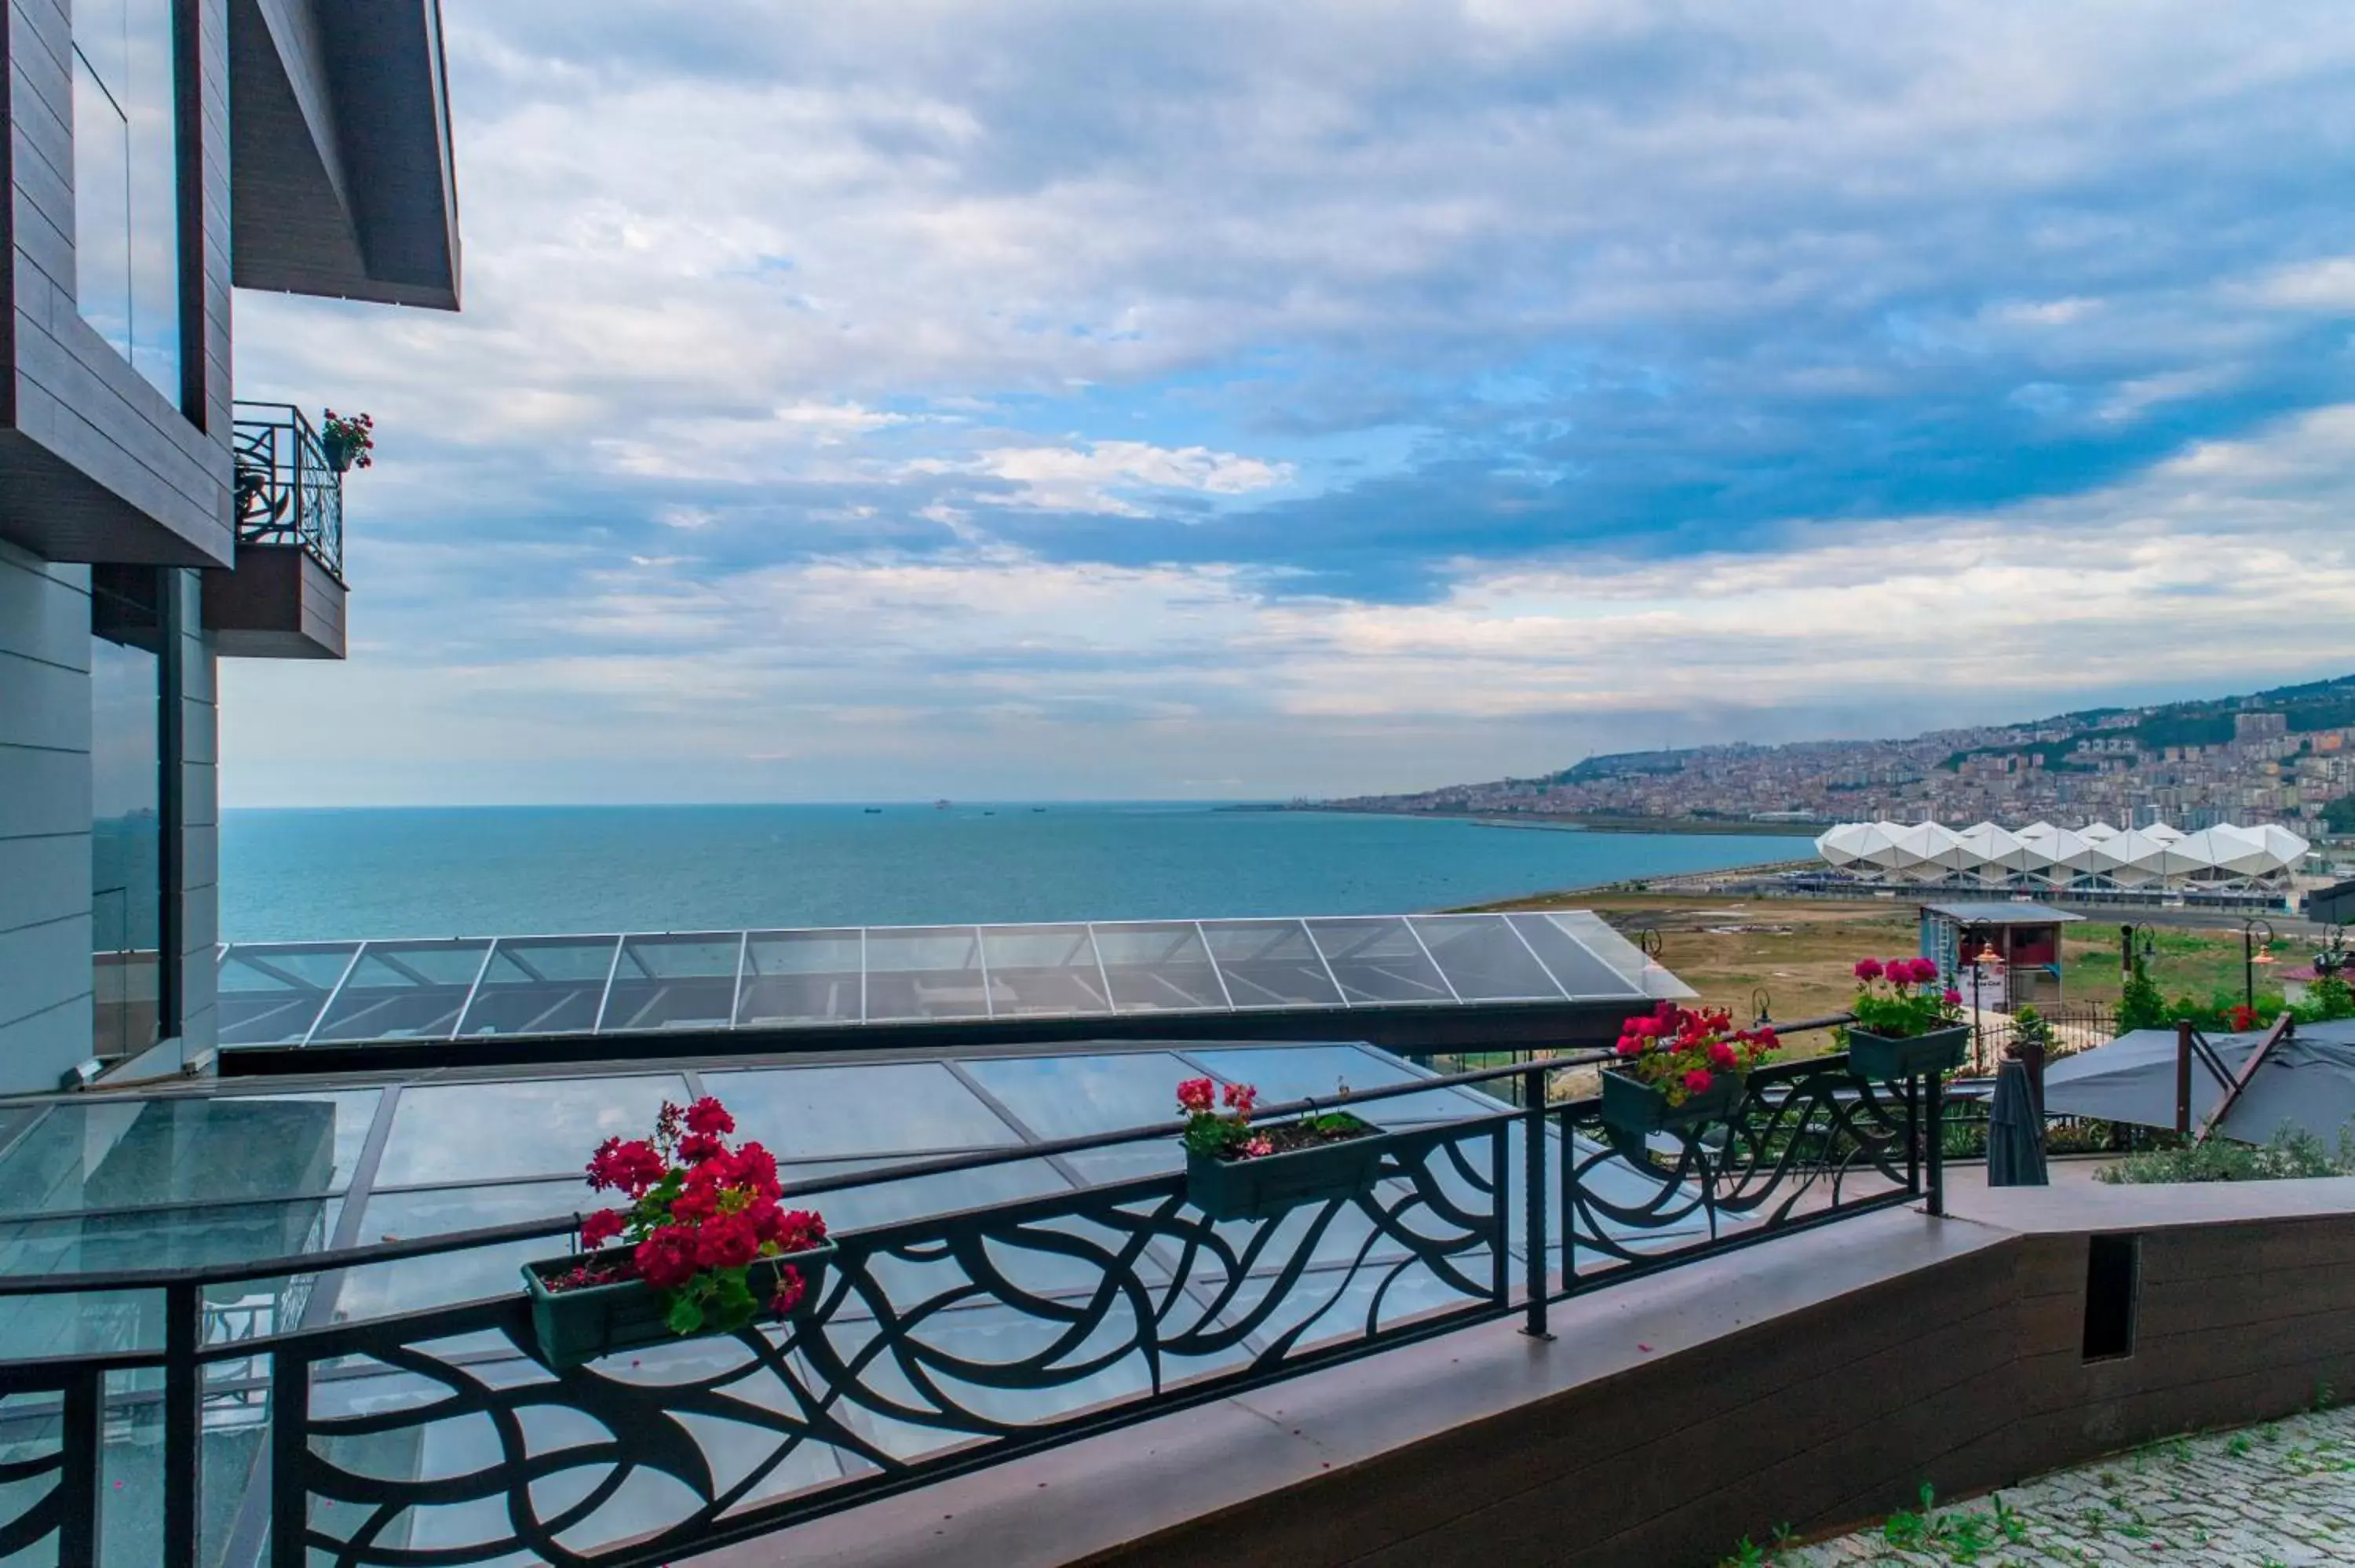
(2290, 1154)
(2141, 1005)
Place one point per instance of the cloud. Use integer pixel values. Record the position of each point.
(997, 364)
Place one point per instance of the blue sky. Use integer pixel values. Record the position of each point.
(1224, 399)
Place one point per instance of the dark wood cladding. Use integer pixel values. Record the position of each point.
(1967, 1375)
(96, 465)
(278, 604)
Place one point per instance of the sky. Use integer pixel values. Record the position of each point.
(990, 398)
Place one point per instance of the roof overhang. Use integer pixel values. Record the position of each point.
(342, 181)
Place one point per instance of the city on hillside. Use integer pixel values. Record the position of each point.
(2286, 756)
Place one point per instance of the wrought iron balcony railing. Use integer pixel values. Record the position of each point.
(938, 1344)
(287, 490)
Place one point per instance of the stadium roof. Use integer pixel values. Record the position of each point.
(2044, 855)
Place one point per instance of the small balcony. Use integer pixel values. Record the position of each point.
(284, 599)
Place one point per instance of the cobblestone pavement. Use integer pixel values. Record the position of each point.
(2264, 1497)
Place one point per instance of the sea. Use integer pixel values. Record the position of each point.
(314, 874)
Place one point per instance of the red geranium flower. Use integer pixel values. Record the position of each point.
(1699, 1079)
(601, 1227)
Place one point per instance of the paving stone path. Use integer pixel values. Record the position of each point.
(2274, 1496)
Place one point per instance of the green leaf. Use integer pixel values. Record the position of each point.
(685, 1315)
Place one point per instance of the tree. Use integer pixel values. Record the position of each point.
(2339, 815)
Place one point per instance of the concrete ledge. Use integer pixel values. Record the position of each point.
(1813, 1382)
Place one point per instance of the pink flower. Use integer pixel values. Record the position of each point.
(1631, 1045)
(789, 1290)
(1195, 1096)
(1954, 997)
(1925, 971)
(1868, 969)
(1258, 1149)
(1722, 1055)
(1699, 1079)
(1241, 1098)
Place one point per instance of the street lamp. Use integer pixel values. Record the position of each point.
(2250, 957)
(2138, 938)
(1986, 959)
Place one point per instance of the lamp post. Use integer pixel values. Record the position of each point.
(1981, 961)
(2138, 938)
(2250, 957)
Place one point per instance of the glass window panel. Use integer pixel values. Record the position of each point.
(1482, 960)
(1159, 968)
(1377, 961)
(1582, 973)
(126, 806)
(831, 1113)
(463, 1276)
(924, 972)
(541, 985)
(674, 982)
(173, 1238)
(802, 977)
(1287, 1072)
(1037, 971)
(126, 182)
(889, 1203)
(1269, 963)
(123, 1153)
(270, 993)
(404, 991)
(474, 1132)
(1621, 954)
(1066, 1097)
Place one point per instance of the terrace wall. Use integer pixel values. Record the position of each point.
(1816, 1381)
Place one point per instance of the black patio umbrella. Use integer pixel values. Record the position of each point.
(2015, 1130)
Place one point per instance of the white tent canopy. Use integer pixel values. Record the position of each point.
(2041, 854)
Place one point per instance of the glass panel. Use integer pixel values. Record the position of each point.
(541, 985)
(1582, 974)
(404, 991)
(1379, 960)
(462, 1276)
(1269, 963)
(1042, 969)
(1287, 1072)
(1159, 968)
(126, 183)
(272, 993)
(674, 982)
(126, 809)
(1482, 960)
(801, 977)
(1622, 955)
(1065, 1097)
(475, 1132)
(831, 1113)
(170, 1238)
(125, 1153)
(924, 972)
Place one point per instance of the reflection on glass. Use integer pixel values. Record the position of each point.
(125, 1153)
(126, 183)
(462, 1276)
(925, 971)
(404, 991)
(1269, 963)
(271, 994)
(801, 977)
(1482, 960)
(1287, 1072)
(541, 985)
(830, 1113)
(1159, 967)
(1064, 1096)
(674, 982)
(1377, 961)
(126, 767)
(1572, 963)
(472, 1132)
(1042, 969)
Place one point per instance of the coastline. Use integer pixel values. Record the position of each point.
(1664, 827)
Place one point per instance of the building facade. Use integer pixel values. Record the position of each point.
(158, 154)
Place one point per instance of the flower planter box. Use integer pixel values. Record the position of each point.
(1263, 1188)
(1631, 1106)
(573, 1327)
(1877, 1057)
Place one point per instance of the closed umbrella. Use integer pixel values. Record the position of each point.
(2015, 1130)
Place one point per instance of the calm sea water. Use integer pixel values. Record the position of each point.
(300, 874)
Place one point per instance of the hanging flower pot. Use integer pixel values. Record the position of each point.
(345, 441)
(1678, 1067)
(1906, 1024)
(1236, 1170)
(707, 1246)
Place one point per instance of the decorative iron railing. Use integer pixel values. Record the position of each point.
(940, 1344)
(287, 490)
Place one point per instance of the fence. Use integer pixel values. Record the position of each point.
(287, 492)
(245, 1430)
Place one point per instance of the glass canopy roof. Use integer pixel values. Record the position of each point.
(306, 993)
